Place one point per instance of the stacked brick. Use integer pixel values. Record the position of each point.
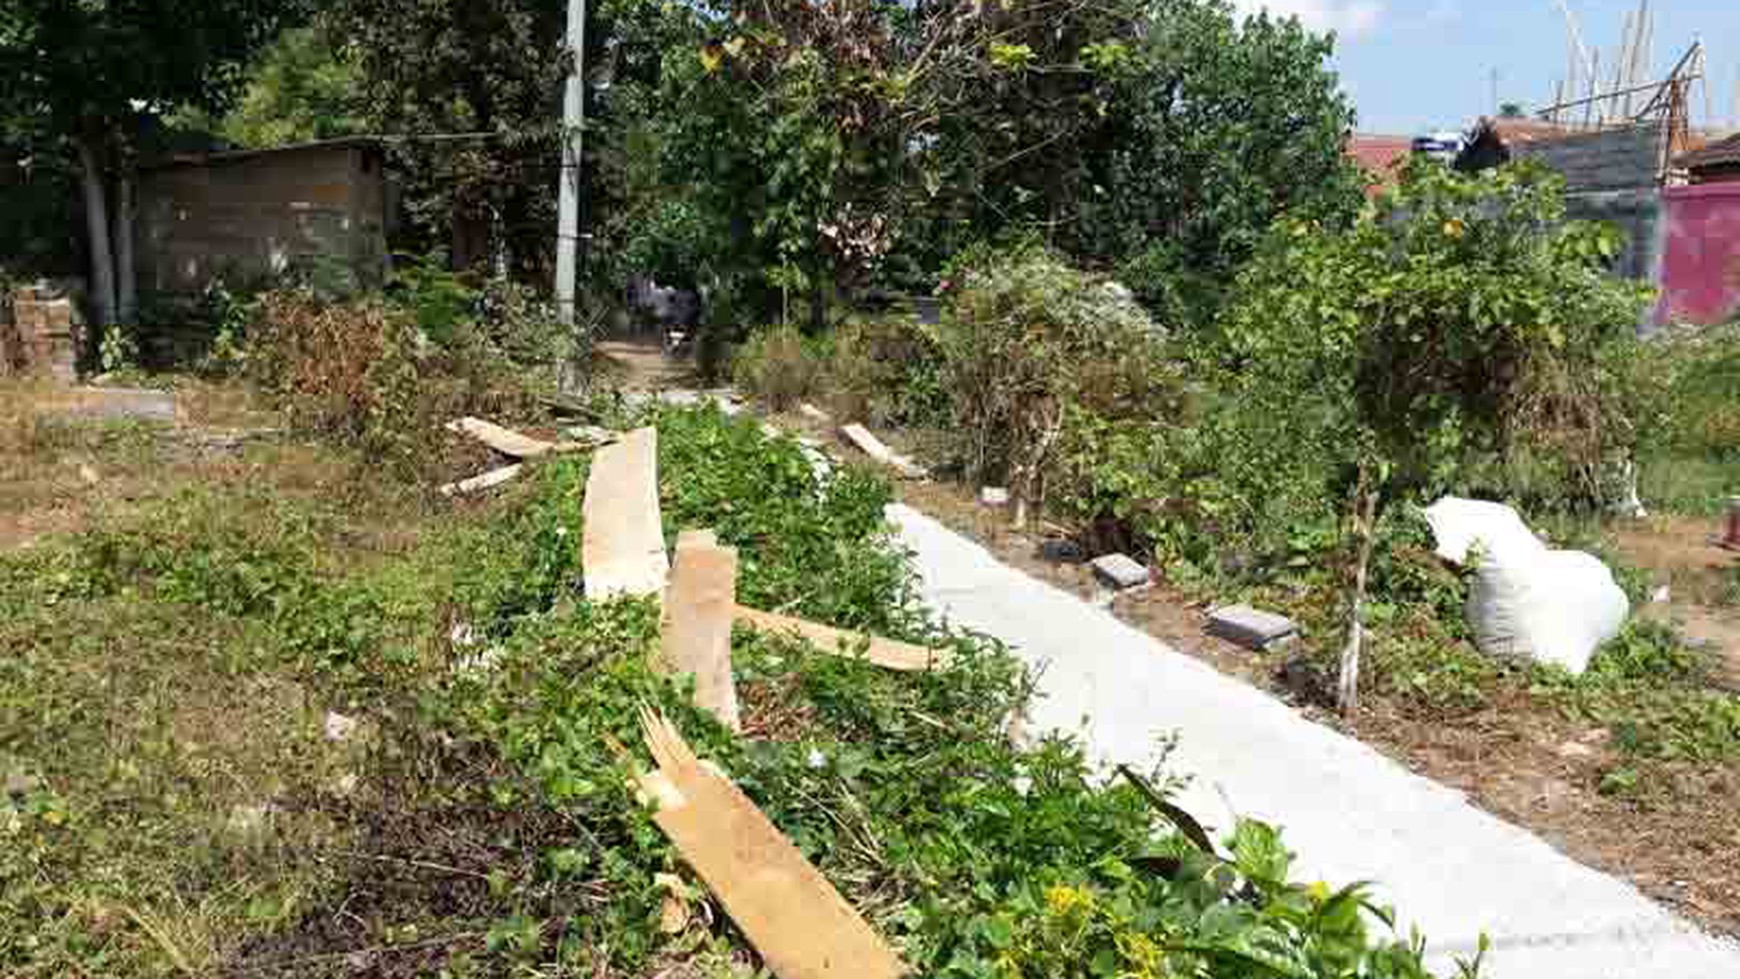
(43, 336)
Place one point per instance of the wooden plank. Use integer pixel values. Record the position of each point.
(477, 484)
(883, 652)
(873, 447)
(696, 638)
(793, 916)
(622, 549)
(511, 443)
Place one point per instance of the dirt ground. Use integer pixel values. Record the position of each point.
(1703, 581)
(641, 366)
(59, 465)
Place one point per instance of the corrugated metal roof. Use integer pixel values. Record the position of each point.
(1724, 153)
(236, 156)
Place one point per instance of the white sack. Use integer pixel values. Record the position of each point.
(1528, 601)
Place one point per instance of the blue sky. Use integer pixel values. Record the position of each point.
(1417, 65)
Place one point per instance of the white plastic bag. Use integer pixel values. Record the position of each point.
(1528, 600)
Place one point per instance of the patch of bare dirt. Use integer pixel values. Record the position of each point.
(1702, 578)
(641, 366)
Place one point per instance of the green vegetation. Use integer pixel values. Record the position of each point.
(1458, 338)
(166, 678)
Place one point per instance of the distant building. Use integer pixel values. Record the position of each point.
(1718, 163)
(251, 216)
(1444, 147)
(1380, 157)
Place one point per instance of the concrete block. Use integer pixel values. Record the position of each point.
(1061, 550)
(1249, 627)
(1120, 571)
(118, 403)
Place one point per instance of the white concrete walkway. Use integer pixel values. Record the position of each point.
(1350, 813)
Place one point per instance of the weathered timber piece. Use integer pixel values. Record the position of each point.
(696, 638)
(793, 916)
(487, 481)
(886, 653)
(873, 447)
(622, 548)
(511, 443)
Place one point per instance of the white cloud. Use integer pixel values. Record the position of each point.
(1349, 18)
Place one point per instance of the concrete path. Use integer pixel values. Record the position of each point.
(1350, 813)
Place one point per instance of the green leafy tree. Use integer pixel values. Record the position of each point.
(83, 78)
(858, 141)
(1458, 318)
(301, 88)
(490, 72)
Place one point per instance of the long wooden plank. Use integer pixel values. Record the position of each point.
(622, 548)
(793, 916)
(516, 445)
(696, 638)
(883, 652)
(877, 450)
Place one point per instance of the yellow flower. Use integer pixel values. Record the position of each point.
(1319, 891)
(1063, 900)
(1454, 228)
(1144, 958)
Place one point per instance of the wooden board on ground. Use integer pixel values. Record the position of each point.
(793, 916)
(883, 652)
(477, 484)
(873, 447)
(511, 443)
(622, 548)
(696, 637)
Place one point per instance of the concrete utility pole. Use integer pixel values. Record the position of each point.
(573, 150)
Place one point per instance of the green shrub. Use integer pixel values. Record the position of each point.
(777, 366)
(887, 371)
(1030, 347)
(362, 373)
(1692, 376)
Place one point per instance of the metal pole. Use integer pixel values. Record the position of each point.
(573, 152)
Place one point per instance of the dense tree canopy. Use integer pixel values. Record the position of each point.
(836, 145)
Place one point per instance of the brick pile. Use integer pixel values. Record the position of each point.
(43, 336)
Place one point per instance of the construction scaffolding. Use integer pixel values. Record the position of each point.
(1590, 100)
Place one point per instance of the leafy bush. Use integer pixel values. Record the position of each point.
(1700, 379)
(1459, 328)
(1030, 347)
(778, 366)
(362, 372)
(887, 371)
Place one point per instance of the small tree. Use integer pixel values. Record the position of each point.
(1441, 325)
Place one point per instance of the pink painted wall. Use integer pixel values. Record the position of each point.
(1700, 259)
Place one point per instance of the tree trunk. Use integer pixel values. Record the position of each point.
(818, 307)
(127, 278)
(97, 223)
(1365, 520)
